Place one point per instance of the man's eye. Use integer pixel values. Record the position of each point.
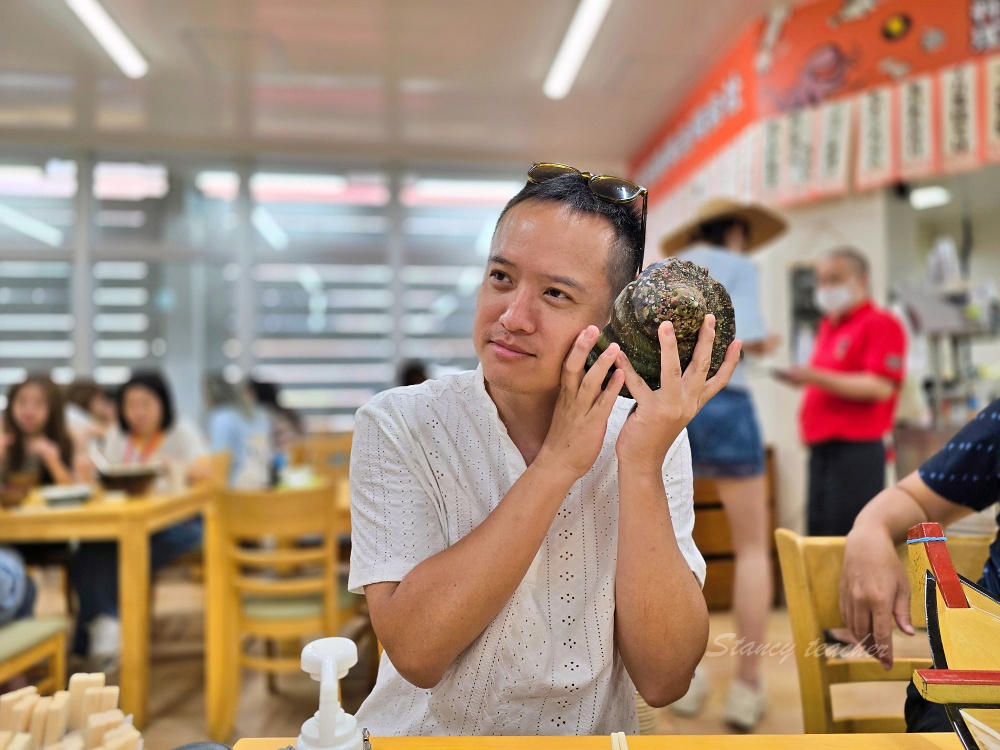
(557, 293)
(498, 275)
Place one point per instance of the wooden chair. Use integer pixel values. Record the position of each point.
(810, 567)
(329, 454)
(274, 590)
(30, 642)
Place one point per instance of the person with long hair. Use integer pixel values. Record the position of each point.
(726, 441)
(36, 448)
(149, 433)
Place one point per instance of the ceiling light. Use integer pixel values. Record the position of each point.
(269, 228)
(931, 196)
(575, 45)
(30, 227)
(110, 36)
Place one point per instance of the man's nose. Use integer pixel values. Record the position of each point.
(519, 315)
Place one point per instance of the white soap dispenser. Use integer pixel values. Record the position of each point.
(331, 728)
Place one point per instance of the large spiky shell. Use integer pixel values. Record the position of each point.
(674, 290)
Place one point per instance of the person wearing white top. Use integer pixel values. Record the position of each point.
(522, 535)
(149, 433)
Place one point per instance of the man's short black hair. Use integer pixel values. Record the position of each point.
(154, 382)
(572, 190)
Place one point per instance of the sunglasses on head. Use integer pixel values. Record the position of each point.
(605, 187)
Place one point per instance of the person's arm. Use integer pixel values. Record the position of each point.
(854, 386)
(874, 588)
(48, 453)
(198, 465)
(427, 619)
(661, 620)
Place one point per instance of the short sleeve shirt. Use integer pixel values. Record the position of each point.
(868, 340)
(182, 443)
(967, 472)
(428, 465)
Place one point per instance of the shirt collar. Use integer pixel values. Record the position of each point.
(857, 312)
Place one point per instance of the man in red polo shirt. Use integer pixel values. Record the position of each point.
(851, 388)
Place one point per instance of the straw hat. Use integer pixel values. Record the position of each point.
(764, 224)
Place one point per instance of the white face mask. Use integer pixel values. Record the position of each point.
(833, 300)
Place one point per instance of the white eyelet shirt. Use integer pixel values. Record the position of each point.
(429, 463)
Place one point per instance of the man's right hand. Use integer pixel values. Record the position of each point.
(874, 591)
(580, 419)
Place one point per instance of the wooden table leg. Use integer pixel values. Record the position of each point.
(215, 624)
(133, 605)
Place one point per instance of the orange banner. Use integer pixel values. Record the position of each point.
(904, 64)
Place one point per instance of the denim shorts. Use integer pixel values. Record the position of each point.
(725, 437)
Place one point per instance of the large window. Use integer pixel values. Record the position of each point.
(322, 281)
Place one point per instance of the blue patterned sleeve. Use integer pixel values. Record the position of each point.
(967, 470)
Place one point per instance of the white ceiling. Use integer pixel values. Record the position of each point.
(402, 81)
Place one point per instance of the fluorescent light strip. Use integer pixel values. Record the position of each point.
(110, 36)
(269, 229)
(575, 45)
(30, 227)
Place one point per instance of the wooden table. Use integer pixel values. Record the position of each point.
(130, 523)
(943, 741)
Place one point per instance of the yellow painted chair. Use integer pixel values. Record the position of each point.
(30, 642)
(329, 454)
(274, 590)
(810, 569)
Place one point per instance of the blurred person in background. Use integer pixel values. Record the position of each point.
(90, 410)
(726, 443)
(850, 391)
(286, 426)
(241, 426)
(148, 433)
(413, 372)
(35, 447)
(17, 591)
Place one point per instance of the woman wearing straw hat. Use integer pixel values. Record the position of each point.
(725, 439)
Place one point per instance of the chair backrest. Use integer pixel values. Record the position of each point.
(261, 539)
(810, 568)
(968, 554)
(219, 464)
(329, 454)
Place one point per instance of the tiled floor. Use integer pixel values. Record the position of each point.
(178, 709)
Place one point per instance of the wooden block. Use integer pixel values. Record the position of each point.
(109, 697)
(39, 716)
(125, 737)
(7, 702)
(969, 687)
(100, 724)
(21, 720)
(21, 741)
(73, 741)
(56, 722)
(5, 738)
(78, 685)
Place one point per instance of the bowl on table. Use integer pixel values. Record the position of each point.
(131, 479)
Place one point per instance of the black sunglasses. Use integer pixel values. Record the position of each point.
(605, 187)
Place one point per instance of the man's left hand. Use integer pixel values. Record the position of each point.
(660, 416)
